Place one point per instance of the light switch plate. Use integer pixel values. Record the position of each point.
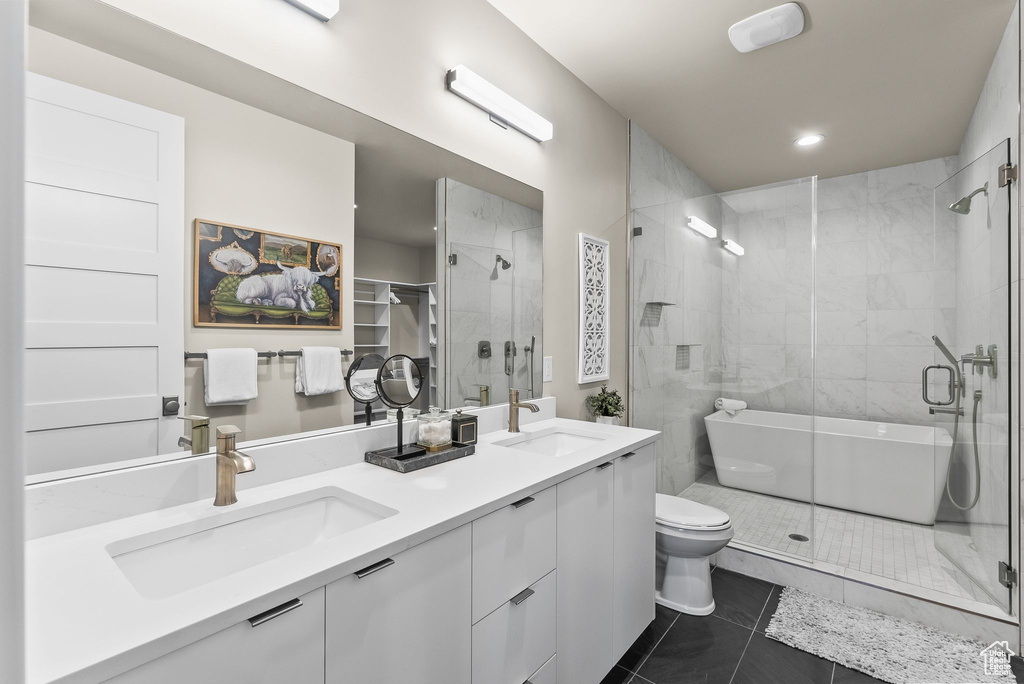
(549, 368)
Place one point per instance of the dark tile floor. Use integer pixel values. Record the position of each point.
(728, 646)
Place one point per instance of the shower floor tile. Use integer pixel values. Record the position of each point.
(900, 551)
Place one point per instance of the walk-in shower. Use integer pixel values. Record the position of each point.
(849, 291)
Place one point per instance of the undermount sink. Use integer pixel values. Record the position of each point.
(554, 441)
(175, 559)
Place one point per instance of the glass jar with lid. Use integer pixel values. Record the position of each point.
(435, 429)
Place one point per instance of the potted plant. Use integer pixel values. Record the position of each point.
(606, 406)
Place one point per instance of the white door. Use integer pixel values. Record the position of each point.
(105, 225)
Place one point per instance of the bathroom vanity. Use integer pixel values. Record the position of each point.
(532, 560)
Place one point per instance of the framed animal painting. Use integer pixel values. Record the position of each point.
(249, 278)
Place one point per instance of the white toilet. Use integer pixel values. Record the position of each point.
(687, 534)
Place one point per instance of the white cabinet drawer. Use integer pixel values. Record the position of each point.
(518, 638)
(546, 673)
(512, 548)
(285, 644)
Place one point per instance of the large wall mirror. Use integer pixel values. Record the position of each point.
(197, 206)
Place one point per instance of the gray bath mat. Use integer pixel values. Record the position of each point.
(885, 647)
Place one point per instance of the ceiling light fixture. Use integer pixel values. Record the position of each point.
(324, 10)
(808, 140)
(701, 227)
(435, 227)
(733, 246)
(499, 104)
(767, 28)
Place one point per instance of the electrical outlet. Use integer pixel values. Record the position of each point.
(549, 368)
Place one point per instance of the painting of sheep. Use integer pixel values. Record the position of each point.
(279, 288)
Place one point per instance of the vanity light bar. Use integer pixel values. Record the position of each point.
(732, 246)
(701, 227)
(324, 10)
(499, 104)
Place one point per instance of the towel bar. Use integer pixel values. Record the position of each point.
(344, 352)
(203, 355)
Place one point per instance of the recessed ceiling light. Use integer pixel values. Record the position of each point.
(435, 227)
(809, 140)
(355, 206)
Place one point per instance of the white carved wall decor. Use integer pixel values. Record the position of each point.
(594, 309)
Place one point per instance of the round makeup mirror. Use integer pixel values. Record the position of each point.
(361, 381)
(399, 381)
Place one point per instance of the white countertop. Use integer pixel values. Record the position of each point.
(87, 623)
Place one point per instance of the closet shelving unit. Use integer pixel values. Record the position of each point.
(372, 326)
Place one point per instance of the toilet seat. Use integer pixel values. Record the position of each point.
(682, 514)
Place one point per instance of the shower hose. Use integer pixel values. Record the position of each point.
(952, 449)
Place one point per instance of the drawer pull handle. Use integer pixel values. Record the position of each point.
(370, 569)
(523, 502)
(277, 612)
(522, 596)
(604, 465)
(629, 455)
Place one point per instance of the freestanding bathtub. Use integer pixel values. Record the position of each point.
(885, 469)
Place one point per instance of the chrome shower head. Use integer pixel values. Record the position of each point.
(504, 264)
(963, 205)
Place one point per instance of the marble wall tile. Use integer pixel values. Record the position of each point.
(911, 216)
(844, 293)
(842, 259)
(842, 328)
(840, 362)
(912, 328)
(896, 402)
(901, 254)
(844, 225)
(901, 291)
(888, 363)
(843, 192)
(840, 398)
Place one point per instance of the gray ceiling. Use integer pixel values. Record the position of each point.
(887, 81)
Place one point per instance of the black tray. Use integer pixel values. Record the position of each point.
(416, 458)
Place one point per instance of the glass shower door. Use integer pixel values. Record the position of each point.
(968, 383)
(478, 324)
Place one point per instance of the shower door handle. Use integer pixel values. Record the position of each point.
(952, 385)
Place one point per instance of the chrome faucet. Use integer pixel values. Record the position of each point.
(229, 464)
(513, 409)
(199, 442)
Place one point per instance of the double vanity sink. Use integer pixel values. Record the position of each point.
(171, 560)
(126, 592)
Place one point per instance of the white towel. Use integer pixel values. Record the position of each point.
(230, 376)
(318, 371)
(730, 406)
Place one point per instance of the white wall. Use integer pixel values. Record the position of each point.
(388, 60)
(245, 167)
(380, 260)
(12, 189)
